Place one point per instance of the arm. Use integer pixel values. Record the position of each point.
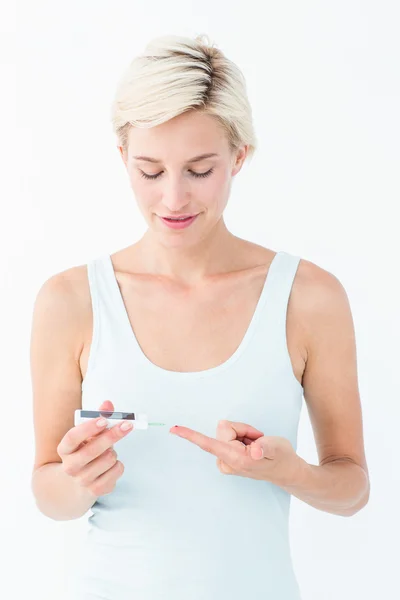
(56, 384)
(340, 483)
(57, 495)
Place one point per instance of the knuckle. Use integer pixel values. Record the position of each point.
(87, 453)
(83, 480)
(69, 438)
(69, 468)
(112, 457)
(115, 433)
(95, 489)
(224, 468)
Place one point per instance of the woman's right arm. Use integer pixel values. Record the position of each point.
(58, 495)
(56, 343)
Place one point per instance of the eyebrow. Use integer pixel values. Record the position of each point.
(194, 159)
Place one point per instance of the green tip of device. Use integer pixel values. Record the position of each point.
(156, 424)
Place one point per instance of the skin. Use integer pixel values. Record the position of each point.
(187, 255)
(200, 264)
(324, 325)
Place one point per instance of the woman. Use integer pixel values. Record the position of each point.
(196, 326)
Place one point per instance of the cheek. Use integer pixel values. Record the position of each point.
(215, 191)
(144, 192)
(220, 193)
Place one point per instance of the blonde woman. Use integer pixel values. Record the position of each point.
(214, 336)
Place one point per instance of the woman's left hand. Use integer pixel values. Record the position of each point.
(245, 451)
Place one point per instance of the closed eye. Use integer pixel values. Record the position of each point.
(146, 176)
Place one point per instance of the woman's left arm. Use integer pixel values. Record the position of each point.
(340, 483)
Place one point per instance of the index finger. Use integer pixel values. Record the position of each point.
(78, 434)
(222, 450)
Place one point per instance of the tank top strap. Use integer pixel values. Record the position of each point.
(278, 289)
(107, 305)
(268, 323)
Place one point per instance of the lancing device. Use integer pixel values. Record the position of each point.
(139, 420)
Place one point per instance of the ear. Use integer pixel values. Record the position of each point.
(239, 159)
(123, 155)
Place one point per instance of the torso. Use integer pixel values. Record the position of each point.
(195, 329)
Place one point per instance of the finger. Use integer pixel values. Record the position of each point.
(97, 447)
(224, 468)
(83, 433)
(248, 441)
(100, 444)
(97, 467)
(228, 452)
(78, 434)
(107, 405)
(232, 430)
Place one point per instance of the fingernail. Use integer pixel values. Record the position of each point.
(101, 422)
(125, 426)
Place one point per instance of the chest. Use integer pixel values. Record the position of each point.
(182, 330)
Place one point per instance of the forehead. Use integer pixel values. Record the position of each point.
(189, 134)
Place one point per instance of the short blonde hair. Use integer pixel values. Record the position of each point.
(176, 74)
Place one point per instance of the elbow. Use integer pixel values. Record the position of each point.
(362, 503)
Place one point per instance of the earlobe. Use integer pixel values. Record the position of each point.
(237, 167)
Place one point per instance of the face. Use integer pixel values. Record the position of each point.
(173, 183)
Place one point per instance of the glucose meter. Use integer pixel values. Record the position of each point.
(139, 420)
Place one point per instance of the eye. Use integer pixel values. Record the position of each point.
(146, 176)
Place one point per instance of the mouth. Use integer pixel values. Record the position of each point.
(179, 223)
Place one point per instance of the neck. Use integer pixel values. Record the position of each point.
(189, 263)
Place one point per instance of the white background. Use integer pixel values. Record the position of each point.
(323, 81)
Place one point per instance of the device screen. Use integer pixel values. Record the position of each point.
(108, 414)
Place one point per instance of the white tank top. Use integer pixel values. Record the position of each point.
(175, 527)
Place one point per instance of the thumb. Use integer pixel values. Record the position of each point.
(107, 405)
(262, 448)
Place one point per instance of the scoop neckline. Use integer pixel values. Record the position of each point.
(205, 372)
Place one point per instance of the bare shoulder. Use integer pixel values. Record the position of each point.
(323, 284)
(65, 297)
(71, 283)
(320, 300)
(316, 294)
(319, 325)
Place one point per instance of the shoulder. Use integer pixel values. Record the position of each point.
(64, 299)
(314, 288)
(321, 302)
(68, 287)
(318, 289)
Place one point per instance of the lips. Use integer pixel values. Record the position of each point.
(177, 219)
(180, 218)
(178, 223)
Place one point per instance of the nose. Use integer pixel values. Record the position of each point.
(175, 195)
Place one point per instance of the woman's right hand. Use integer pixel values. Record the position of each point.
(88, 456)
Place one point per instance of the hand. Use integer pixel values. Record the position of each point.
(88, 455)
(243, 450)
